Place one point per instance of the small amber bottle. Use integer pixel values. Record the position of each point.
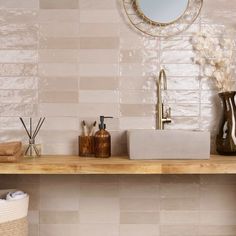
(102, 140)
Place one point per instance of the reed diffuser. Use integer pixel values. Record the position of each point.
(32, 149)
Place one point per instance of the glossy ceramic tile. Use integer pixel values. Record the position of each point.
(59, 4)
(71, 60)
(98, 83)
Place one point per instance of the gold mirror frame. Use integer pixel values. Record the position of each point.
(155, 29)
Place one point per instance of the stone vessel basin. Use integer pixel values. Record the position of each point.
(168, 144)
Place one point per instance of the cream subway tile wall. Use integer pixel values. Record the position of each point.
(170, 205)
(70, 60)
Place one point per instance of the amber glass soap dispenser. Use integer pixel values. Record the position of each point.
(102, 140)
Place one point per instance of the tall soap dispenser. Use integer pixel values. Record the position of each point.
(102, 140)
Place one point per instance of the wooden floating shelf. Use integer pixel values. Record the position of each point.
(119, 165)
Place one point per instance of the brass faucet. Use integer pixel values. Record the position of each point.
(162, 118)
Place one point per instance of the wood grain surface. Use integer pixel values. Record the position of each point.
(119, 165)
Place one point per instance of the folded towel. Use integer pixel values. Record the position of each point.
(10, 148)
(11, 196)
(14, 158)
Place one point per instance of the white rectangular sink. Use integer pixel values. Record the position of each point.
(168, 144)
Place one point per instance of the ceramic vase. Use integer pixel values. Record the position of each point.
(226, 138)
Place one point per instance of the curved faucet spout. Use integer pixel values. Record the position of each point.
(162, 79)
(162, 118)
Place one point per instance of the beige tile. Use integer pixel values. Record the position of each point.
(219, 218)
(137, 69)
(139, 218)
(91, 110)
(58, 69)
(179, 217)
(137, 110)
(106, 70)
(176, 230)
(64, 29)
(185, 109)
(58, 15)
(93, 4)
(107, 56)
(58, 97)
(102, 217)
(97, 205)
(99, 229)
(138, 97)
(59, 217)
(18, 69)
(217, 230)
(59, 4)
(139, 179)
(58, 56)
(99, 190)
(28, 179)
(179, 190)
(183, 43)
(218, 179)
(18, 82)
(98, 83)
(180, 179)
(18, 96)
(18, 110)
(59, 193)
(22, 4)
(138, 83)
(58, 83)
(138, 56)
(189, 96)
(61, 123)
(12, 123)
(99, 43)
(137, 122)
(18, 56)
(58, 230)
(139, 230)
(99, 16)
(139, 190)
(98, 96)
(58, 43)
(181, 56)
(185, 123)
(184, 204)
(135, 42)
(180, 83)
(58, 109)
(99, 179)
(134, 204)
(217, 197)
(182, 70)
(96, 30)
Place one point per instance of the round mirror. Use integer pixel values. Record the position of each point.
(162, 18)
(162, 11)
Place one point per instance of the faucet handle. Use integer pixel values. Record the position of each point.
(168, 113)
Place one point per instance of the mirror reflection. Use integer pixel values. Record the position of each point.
(162, 11)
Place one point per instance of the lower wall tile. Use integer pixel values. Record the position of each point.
(58, 230)
(99, 229)
(59, 217)
(139, 218)
(139, 230)
(179, 230)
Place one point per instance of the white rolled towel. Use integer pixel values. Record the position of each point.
(11, 196)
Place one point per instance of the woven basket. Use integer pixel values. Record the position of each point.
(13, 216)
